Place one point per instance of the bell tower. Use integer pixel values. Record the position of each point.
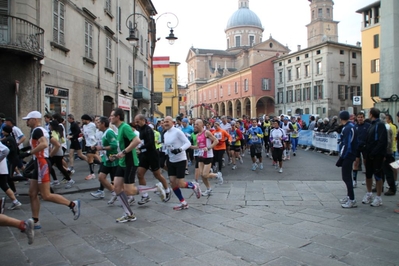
(322, 26)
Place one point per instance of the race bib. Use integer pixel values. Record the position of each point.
(196, 152)
(218, 136)
(255, 138)
(276, 141)
(200, 153)
(233, 139)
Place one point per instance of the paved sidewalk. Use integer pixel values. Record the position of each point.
(254, 222)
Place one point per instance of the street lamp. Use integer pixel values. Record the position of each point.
(171, 37)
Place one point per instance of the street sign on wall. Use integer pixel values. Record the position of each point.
(357, 100)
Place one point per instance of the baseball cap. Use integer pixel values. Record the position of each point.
(185, 120)
(344, 115)
(86, 117)
(2, 116)
(33, 114)
(286, 118)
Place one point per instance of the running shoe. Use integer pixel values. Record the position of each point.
(189, 163)
(367, 199)
(55, 183)
(131, 200)
(377, 202)
(230, 161)
(29, 230)
(15, 205)
(344, 200)
(91, 176)
(37, 226)
(126, 218)
(349, 204)
(69, 184)
(220, 178)
(207, 193)
(113, 199)
(234, 167)
(288, 158)
(167, 196)
(197, 190)
(2, 204)
(186, 172)
(99, 194)
(254, 166)
(64, 181)
(281, 170)
(161, 191)
(294, 153)
(76, 209)
(354, 183)
(144, 200)
(241, 161)
(181, 207)
(284, 158)
(261, 166)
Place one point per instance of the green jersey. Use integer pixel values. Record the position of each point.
(125, 136)
(109, 139)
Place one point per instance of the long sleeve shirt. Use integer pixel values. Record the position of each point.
(348, 143)
(174, 138)
(376, 139)
(3, 163)
(147, 139)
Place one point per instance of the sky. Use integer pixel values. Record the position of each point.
(201, 24)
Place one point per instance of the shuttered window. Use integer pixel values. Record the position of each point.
(58, 22)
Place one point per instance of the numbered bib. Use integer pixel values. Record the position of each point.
(255, 139)
(196, 152)
(218, 136)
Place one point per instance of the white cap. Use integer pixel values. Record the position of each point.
(33, 114)
(151, 126)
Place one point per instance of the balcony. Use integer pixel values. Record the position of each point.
(21, 36)
(157, 97)
(141, 93)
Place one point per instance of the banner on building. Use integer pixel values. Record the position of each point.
(160, 61)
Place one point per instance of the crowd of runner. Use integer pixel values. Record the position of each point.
(124, 151)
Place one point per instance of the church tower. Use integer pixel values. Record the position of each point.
(322, 26)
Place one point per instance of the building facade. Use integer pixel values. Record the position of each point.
(239, 80)
(323, 78)
(73, 56)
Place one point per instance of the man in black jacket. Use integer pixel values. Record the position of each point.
(73, 136)
(375, 151)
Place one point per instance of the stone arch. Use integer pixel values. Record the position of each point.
(229, 108)
(237, 109)
(216, 107)
(247, 107)
(265, 105)
(222, 109)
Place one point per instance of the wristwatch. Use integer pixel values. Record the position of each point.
(124, 151)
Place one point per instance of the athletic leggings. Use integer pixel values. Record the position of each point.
(11, 167)
(346, 171)
(218, 157)
(3, 182)
(57, 160)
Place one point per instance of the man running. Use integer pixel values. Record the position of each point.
(176, 143)
(89, 133)
(149, 159)
(40, 181)
(255, 135)
(73, 136)
(288, 128)
(277, 139)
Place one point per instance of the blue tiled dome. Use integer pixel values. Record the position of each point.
(244, 17)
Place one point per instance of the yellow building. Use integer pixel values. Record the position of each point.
(165, 82)
(371, 30)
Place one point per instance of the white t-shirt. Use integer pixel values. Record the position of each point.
(64, 144)
(3, 161)
(89, 132)
(226, 127)
(18, 135)
(174, 138)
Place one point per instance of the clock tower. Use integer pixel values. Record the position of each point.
(322, 26)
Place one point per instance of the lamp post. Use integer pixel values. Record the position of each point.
(133, 40)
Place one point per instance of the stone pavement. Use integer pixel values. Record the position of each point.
(264, 220)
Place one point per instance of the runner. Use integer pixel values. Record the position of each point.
(266, 127)
(175, 144)
(224, 139)
(288, 128)
(235, 147)
(73, 136)
(89, 133)
(255, 136)
(25, 226)
(277, 139)
(40, 181)
(294, 134)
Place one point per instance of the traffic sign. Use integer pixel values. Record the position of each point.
(357, 100)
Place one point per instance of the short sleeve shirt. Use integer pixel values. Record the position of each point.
(125, 136)
(109, 139)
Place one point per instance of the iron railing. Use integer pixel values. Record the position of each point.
(21, 35)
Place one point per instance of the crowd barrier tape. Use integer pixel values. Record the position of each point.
(319, 140)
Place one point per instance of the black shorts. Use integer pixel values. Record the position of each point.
(163, 158)
(89, 150)
(256, 150)
(149, 160)
(277, 154)
(235, 148)
(107, 170)
(177, 169)
(128, 173)
(205, 160)
(75, 145)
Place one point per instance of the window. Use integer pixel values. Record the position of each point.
(342, 68)
(58, 22)
(229, 90)
(88, 40)
(168, 111)
(246, 87)
(318, 52)
(141, 44)
(280, 63)
(169, 85)
(306, 110)
(328, 12)
(228, 43)
(289, 75)
(341, 52)
(251, 40)
(130, 71)
(354, 70)
(108, 52)
(307, 70)
(320, 13)
(341, 92)
(318, 68)
(376, 15)
(318, 90)
(298, 72)
(376, 40)
(221, 92)
(238, 41)
(108, 6)
(354, 55)
(280, 77)
(375, 90)
(280, 97)
(118, 70)
(298, 58)
(209, 94)
(215, 93)
(290, 99)
(375, 65)
(265, 84)
(200, 97)
(139, 78)
(289, 61)
(298, 95)
(306, 55)
(236, 87)
(312, 14)
(119, 24)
